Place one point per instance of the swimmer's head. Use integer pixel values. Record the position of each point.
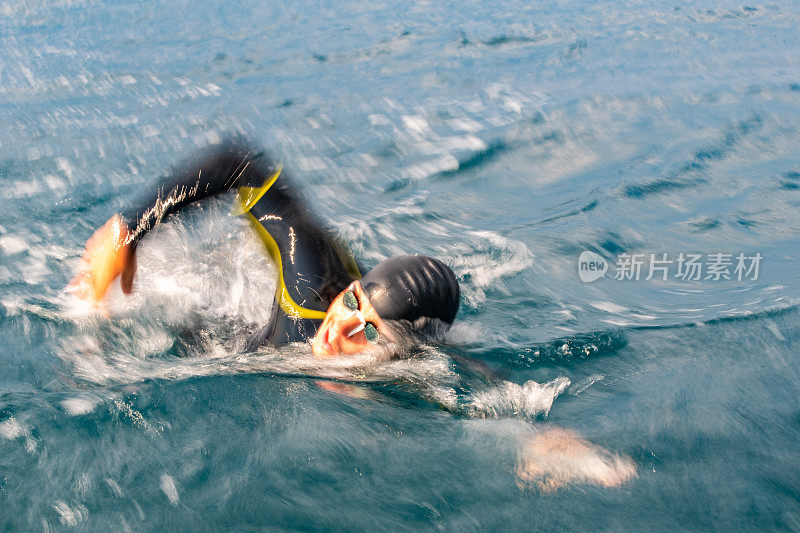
(414, 288)
(420, 292)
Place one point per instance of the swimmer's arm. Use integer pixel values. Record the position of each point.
(217, 171)
(110, 252)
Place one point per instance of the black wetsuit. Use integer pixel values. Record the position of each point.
(313, 267)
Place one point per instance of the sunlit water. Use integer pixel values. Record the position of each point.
(505, 138)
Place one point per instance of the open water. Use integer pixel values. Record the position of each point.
(505, 137)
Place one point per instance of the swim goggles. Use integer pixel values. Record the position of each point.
(351, 302)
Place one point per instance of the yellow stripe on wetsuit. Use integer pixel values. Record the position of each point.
(246, 199)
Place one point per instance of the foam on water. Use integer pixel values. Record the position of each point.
(70, 515)
(12, 429)
(525, 401)
(170, 488)
(80, 405)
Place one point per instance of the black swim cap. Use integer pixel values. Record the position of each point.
(410, 287)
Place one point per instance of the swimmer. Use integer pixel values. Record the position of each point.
(321, 295)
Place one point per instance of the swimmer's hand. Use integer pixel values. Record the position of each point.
(109, 253)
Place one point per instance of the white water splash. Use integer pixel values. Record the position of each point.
(79, 405)
(522, 401)
(70, 516)
(170, 488)
(216, 267)
(11, 429)
(584, 384)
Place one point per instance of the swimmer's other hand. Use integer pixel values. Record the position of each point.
(109, 253)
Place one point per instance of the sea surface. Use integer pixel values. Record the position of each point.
(505, 137)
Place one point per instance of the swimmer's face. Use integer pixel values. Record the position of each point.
(351, 325)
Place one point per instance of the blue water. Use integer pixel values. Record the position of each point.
(504, 137)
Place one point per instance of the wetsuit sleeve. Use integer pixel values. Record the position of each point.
(228, 167)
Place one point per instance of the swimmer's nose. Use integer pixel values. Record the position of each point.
(361, 324)
(347, 326)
